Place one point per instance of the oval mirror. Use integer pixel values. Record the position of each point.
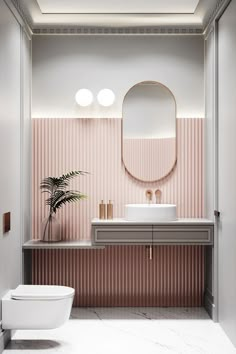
(149, 131)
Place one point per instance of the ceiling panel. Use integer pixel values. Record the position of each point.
(114, 6)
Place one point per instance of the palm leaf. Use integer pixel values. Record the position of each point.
(54, 198)
(68, 197)
(72, 174)
(56, 188)
(58, 195)
(50, 184)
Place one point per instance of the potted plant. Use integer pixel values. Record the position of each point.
(59, 195)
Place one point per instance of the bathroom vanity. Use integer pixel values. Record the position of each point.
(168, 263)
(179, 232)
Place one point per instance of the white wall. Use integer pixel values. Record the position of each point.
(26, 137)
(64, 64)
(227, 170)
(211, 161)
(210, 170)
(13, 44)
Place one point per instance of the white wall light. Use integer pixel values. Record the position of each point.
(84, 97)
(106, 97)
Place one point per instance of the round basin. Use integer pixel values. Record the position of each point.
(150, 212)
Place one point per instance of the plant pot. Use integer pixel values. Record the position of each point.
(50, 230)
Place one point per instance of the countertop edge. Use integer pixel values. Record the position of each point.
(184, 221)
(37, 244)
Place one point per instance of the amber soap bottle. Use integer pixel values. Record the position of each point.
(102, 210)
(110, 210)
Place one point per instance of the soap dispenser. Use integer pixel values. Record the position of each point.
(102, 210)
(110, 210)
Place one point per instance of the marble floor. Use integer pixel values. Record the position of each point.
(128, 331)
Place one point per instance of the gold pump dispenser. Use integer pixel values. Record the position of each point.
(102, 210)
(110, 210)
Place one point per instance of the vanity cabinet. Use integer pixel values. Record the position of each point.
(180, 232)
(183, 234)
(192, 232)
(121, 234)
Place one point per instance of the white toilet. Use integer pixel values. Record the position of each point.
(36, 307)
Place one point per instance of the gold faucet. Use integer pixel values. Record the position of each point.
(149, 195)
(158, 196)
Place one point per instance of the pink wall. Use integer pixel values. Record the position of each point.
(94, 145)
(124, 275)
(116, 275)
(160, 162)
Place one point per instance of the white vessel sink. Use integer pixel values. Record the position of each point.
(150, 212)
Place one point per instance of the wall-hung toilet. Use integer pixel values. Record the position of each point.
(36, 307)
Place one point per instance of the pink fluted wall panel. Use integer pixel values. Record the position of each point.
(149, 159)
(124, 275)
(94, 145)
(119, 275)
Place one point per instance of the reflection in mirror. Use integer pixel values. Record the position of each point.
(149, 131)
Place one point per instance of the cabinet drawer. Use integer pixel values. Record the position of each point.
(122, 235)
(188, 235)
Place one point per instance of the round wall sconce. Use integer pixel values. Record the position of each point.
(84, 97)
(106, 97)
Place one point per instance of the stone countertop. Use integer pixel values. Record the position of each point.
(181, 221)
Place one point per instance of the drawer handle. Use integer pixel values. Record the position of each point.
(150, 252)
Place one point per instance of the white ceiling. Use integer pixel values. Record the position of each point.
(114, 6)
(53, 15)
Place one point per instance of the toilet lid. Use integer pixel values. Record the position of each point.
(42, 292)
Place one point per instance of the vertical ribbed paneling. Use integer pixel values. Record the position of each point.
(119, 275)
(94, 145)
(124, 275)
(161, 157)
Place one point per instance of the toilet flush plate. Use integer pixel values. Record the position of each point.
(6, 222)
